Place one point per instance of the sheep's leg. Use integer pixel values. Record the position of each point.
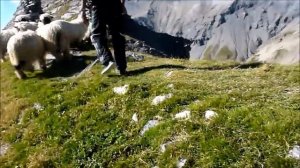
(2, 58)
(18, 70)
(20, 74)
(42, 64)
(30, 68)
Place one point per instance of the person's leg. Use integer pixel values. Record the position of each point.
(99, 38)
(118, 42)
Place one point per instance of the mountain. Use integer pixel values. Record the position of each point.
(238, 30)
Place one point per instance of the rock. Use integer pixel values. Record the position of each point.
(149, 124)
(159, 99)
(171, 86)
(121, 90)
(209, 114)
(295, 152)
(232, 29)
(181, 162)
(169, 74)
(133, 57)
(183, 115)
(4, 148)
(163, 147)
(135, 117)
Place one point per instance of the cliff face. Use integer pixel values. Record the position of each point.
(220, 30)
(232, 29)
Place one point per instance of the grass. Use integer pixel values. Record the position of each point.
(82, 123)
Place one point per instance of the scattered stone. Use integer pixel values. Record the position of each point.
(135, 117)
(171, 86)
(159, 99)
(157, 117)
(169, 74)
(38, 107)
(164, 146)
(183, 115)
(295, 152)
(209, 114)
(133, 57)
(181, 162)
(149, 124)
(4, 148)
(67, 16)
(76, 53)
(121, 90)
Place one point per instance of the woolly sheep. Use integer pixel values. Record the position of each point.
(22, 18)
(24, 26)
(25, 49)
(5, 35)
(59, 34)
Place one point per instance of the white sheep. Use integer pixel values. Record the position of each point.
(5, 35)
(25, 49)
(24, 26)
(59, 34)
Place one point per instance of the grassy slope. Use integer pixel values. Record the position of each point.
(83, 123)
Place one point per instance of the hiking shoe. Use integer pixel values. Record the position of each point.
(121, 72)
(108, 67)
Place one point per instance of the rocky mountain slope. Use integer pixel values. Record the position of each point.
(219, 30)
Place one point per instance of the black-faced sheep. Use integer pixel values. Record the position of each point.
(59, 34)
(45, 18)
(26, 49)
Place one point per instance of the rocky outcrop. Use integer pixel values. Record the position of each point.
(219, 30)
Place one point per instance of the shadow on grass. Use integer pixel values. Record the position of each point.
(67, 68)
(180, 67)
(79, 63)
(146, 69)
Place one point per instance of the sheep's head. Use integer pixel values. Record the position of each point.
(45, 18)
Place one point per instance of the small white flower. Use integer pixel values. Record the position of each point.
(209, 114)
(159, 99)
(121, 90)
(38, 107)
(183, 115)
(295, 152)
(135, 117)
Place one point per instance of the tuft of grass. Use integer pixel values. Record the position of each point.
(83, 123)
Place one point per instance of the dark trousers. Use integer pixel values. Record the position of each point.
(102, 20)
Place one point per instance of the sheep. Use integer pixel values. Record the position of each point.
(45, 18)
(24, 26)
(5, 35)
(23, 18)
(25, 49)
(59, 34)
